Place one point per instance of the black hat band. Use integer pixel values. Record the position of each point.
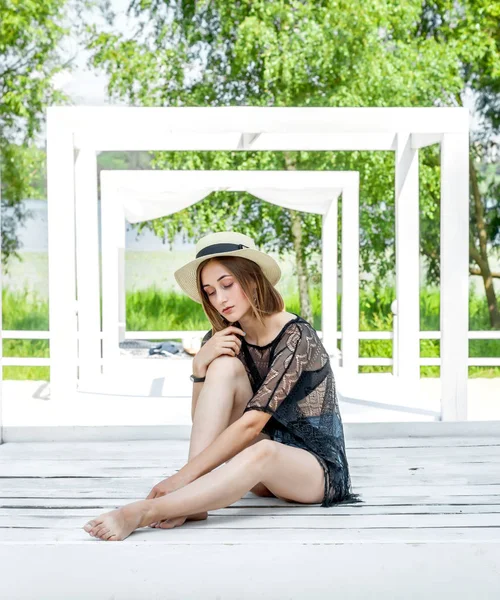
(216, 248)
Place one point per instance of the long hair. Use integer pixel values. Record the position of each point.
(246, 272)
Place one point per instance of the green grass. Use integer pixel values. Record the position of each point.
(157, 310)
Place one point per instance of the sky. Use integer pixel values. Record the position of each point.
(82, 84)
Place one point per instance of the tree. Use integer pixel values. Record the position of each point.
(293, 53)
(473, 28)
(30, 33)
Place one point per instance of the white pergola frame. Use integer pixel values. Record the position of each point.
(76, 134)
(119, 188)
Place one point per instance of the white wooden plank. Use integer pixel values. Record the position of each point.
(8, 451)
(386, 503)
(137, 488)
(104, 468)
(328, 521)
(357, 464)
(415, 477)
(351, 442)
(11, 514)
(458, 570)
(197, 533)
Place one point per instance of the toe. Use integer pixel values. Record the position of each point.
(100, 531)
(103, 533)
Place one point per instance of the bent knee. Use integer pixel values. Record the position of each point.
(229, 366)
(261, 450)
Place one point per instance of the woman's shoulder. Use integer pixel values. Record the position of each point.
(296, 329)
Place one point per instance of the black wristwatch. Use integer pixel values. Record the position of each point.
(197, 379)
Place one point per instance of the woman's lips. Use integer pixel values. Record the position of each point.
(228, 310)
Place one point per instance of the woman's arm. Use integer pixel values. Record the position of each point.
(198, 371)
(197, 387)
(228, 444)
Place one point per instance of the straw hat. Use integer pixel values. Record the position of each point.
(224, 243)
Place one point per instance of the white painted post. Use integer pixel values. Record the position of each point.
(350, 279)
(87, 253)
(113, 253)
(329, 278)
(454, 275)
(395, 350)
(407, 260)
(61, 250)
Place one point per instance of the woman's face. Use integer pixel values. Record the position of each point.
(224, 291)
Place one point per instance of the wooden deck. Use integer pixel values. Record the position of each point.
(429, 527)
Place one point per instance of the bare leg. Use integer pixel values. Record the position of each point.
(293, 473)
(220, 487)
(222, 400)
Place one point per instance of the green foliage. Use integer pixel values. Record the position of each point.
(157, 310)
(25, 311)
(305, 53)
(30, 34)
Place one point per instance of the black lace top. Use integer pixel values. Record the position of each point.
(292, 380)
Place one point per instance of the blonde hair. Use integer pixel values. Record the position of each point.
(269, 301)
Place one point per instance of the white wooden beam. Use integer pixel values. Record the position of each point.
(407, 260)
(87, 254)
(61, 251)
(329, 279)
(454, 275)
(288, 120)
(162, 140)
(350, 279)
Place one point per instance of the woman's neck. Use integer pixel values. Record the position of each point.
(260, 334)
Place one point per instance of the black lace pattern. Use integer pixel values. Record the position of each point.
(292, 380)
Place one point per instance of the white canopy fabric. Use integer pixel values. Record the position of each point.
(140, 207)
(165, 193)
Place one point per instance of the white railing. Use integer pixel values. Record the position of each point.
(12, 361)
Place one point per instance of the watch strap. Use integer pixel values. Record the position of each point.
(197, 379)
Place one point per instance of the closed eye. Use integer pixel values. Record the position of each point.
(225, 287)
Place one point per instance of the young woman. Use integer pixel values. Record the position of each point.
(264, 405)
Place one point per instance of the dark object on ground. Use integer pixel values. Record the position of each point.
(164, 348)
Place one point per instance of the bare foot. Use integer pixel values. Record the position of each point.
(178, 521)
(116, 525)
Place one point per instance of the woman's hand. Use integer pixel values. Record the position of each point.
(163, 488)
(225, 341)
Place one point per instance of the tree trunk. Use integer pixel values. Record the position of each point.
(480, 256)
(300, 261)
(305, 302)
